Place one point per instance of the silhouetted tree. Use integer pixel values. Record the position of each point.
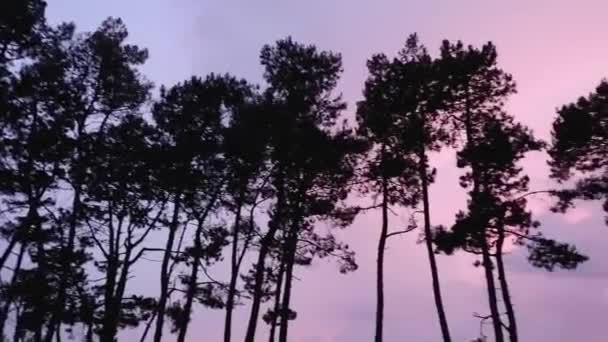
(219, 99)
(102, 84)
(404, 101)
(580, 148)
(31, 156)
(478, 89)
(123, 207)
(184, 120)
(246, 148)
(311, 164)
(493, 146)
(390, 172)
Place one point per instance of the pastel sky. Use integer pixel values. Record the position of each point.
(557, 50)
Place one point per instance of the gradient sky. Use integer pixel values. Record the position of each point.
(557, 50)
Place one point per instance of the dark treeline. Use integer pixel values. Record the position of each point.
(94, 172)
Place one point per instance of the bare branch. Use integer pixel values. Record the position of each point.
(407, 230)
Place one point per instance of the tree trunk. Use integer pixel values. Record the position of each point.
(107, 331)
(277, 301)
(18, 333)
(65, 268)
(258, 283)
(148, 325)
(260, 266)
(429, 248)
(192, 282)
(58, 333)
(234, 270)
(380, 263)
(9, 300)
(291, 250)
(504, 286)
(41, 308)
(164, 274)
(114, 311)
(489, 273)
(487, 262)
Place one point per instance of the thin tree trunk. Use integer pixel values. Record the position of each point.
(89, 334)
(380, 263)
(9, 300)
(107, 332)
(429, 248)
(148, 325)
(113, 313)
(18, 331)
(291, 250)
(258, 283)
(234, 270)
(504, 286)
(487, 262)
(41, 309)
(190, 297)
(164, 275)
(192, 282)
(277, 301)
(58, 333)
(260, 266)
(489, 273)
(65, 269)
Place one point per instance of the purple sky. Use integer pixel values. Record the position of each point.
(556, 50)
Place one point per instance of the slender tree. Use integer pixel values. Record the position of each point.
(493, 146)
(247, 188)
(31, 159)
(102, 84)
(221, 98)
(123, 208)
(182, 120)
(408, 101)
(311, 164)
(388, 173)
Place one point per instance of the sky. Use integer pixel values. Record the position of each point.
(556, 50)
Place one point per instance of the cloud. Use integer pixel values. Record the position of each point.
(578, 215)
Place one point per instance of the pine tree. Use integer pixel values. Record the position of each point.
(101, 84)
(402, 110)
(311, 164)
(493, 146)
(246, 148)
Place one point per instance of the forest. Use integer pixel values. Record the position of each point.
(238, 176)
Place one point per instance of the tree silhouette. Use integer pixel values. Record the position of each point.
(311, 164)
(31, 159)
(103, 70)
(247, 187)
(123, 207)
(401, 113)
(389, 172)
(579, 147)
(189, 153)
(493, 145)
(216, 98)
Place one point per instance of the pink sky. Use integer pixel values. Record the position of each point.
(556, 50)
